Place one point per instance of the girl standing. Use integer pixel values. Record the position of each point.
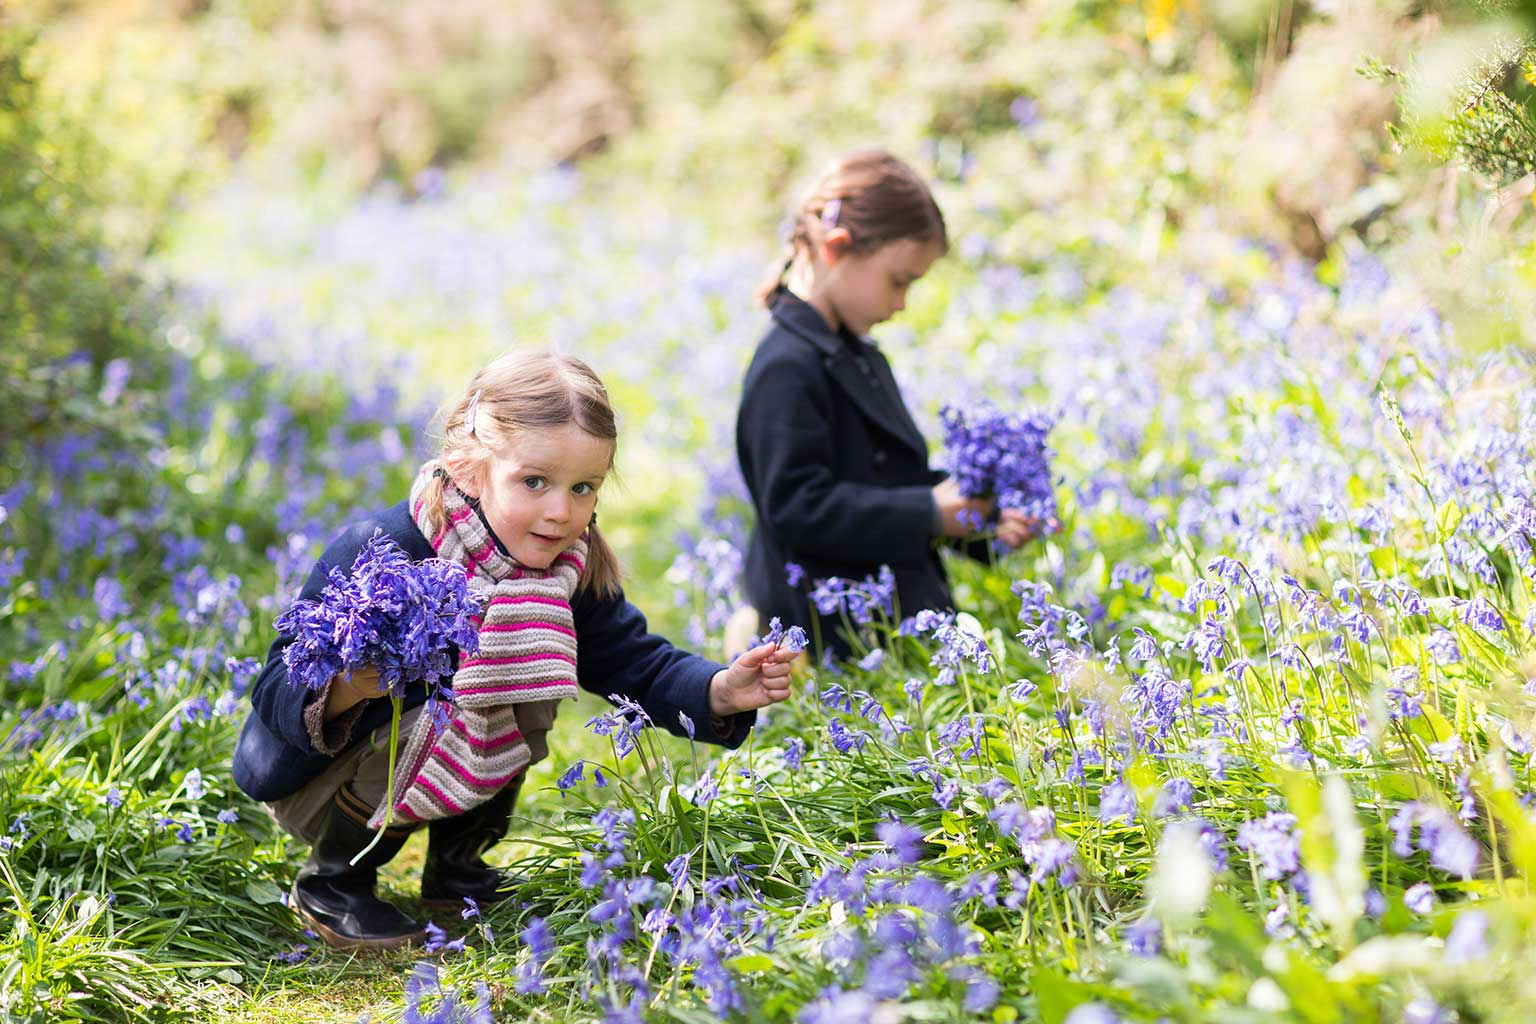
(837, 469)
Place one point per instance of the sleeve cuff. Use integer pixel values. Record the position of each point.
(336, 735)
(935, 518)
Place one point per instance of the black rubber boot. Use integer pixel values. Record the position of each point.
(336, 898)
(455, 868)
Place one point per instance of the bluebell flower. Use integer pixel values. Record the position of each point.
(795, 639)
(229, 816)
(571, 776)
(905, 842)
(994, 787)
(793, 574)
(845, 739)
(1144, 937)
(677, 869)
(794, 754)
(1449, 846)
(1468, 940)
(1479, 613)
(990, 454)
(1117, 802)
(1176, 795)
(1419, 898)
(437, 940)
(1273, 841)
(402, 618)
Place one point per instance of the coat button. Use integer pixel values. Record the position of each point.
(880, 457)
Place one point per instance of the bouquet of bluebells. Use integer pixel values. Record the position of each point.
(994, 455)
(403, 618)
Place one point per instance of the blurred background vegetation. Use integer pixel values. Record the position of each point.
(1312, 123)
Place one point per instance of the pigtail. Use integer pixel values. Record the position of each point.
(602, 574)
(432, 502)
(773, 280)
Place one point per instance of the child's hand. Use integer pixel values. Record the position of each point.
(962, 516)
(756, 679)
(1016, 529)
(345, 693)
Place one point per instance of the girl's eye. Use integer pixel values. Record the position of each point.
(582, 490)
(534, 483)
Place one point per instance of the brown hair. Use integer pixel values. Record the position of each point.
(518, 392)
(876, 197)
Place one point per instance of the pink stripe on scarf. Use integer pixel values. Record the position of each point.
(518, 659)
(513, 627)
(426, 783)
(495, 743)
(515, 687)
(492, 782)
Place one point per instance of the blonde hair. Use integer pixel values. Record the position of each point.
(878, 198)
(520, 392)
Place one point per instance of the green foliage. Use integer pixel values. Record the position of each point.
(59, 298)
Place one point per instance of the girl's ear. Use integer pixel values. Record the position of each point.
(835, 245)
(466, 477)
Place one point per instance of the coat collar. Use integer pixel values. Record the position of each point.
(855, 365)
(800, 316)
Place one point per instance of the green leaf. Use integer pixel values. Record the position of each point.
(750, 962)
(1448, 517)
(263, 891)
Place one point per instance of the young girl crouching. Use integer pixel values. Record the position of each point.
(512, 496)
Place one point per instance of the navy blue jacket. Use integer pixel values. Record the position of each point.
(614, 654)
(837, 470)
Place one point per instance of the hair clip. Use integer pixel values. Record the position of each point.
(469, 414)
(830, 211)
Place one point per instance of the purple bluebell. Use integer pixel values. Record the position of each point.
(402, 618)
(991, 454)
(794, 753)
(1117, 803)
(1144, 937)
(906, 843)
(1092, 1013)
(1273, 841)
(1468, 940)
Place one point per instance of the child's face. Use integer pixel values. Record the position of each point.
(539, 492)
(865, 290)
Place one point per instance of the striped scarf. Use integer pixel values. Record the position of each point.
(526, 662)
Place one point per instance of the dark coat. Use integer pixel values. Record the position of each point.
(837, 470)
(274, 757)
